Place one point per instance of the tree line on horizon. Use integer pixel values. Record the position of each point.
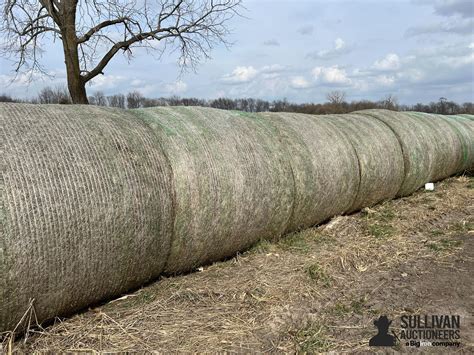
(336, 103)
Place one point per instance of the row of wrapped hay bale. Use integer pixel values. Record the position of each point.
(97, 201)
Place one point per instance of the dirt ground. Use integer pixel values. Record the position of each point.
(314, 291)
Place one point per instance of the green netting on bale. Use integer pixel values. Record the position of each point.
(448, 148)
(464, 128)
(431, 149)
(469, 117)
(233, 182)
(86, 208)
(324, 166)
(380, 158)
(96, 201)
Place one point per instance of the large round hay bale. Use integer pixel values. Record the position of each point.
(464, 128)
(85, 208)
(431, 149)
(448, 148)
(324, 166)
(233, 182)
(379, 155)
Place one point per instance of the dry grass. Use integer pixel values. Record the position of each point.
(313, 291)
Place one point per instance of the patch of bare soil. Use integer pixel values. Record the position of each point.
(314, 291)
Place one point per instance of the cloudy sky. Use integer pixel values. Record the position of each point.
(418, 50)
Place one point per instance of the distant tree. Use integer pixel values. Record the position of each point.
(420, 107)
(7, 98)
(336, 100)
(390, 102)
(452, 108)
(46, 96)
(117, 100)
(336, 97)
(224, 103)
(362, 105)
(192, 101)
(441, 107)
(98, 99)
(146, 102)
(57, 95)
(468, 107)
(280, 105)
(134, 99)
(174, 100)
(93, 32)
(262, 106)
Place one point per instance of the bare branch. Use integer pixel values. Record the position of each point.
(99, 27)
(94, 31)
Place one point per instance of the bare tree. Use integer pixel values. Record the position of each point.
(390, 102)
(7, 98)
(134, 99)
(336, 97)
(442, 105)
(57, 95)
(93, 32)
(117, 100)
(98, 99)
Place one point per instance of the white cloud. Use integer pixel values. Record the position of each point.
(241, 75)
(137, 82)
(391, 62)
(340, 47)
(176, 88)
(385, 80)
(457, 62)
(299, 82)
(273, 68)
(411, 75)
(149, 89)
(105, 82)
(331, 75)
(339, 43)
(272, 71)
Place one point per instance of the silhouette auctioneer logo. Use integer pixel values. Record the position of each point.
(382, 338)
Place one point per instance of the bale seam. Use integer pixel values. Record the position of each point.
(286, 153)
(399, 142)
(172, 183)
(359, 184)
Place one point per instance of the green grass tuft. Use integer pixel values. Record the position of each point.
(380, 230)
(263, 246)
(312, 339)
(294, 242)
(444, 245)
(318, 274)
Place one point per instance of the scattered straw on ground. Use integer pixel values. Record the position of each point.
(312, 291)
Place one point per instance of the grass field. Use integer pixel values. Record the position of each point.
(313, 291)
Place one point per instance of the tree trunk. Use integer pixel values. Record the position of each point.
(75, 82)
(77, 90)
